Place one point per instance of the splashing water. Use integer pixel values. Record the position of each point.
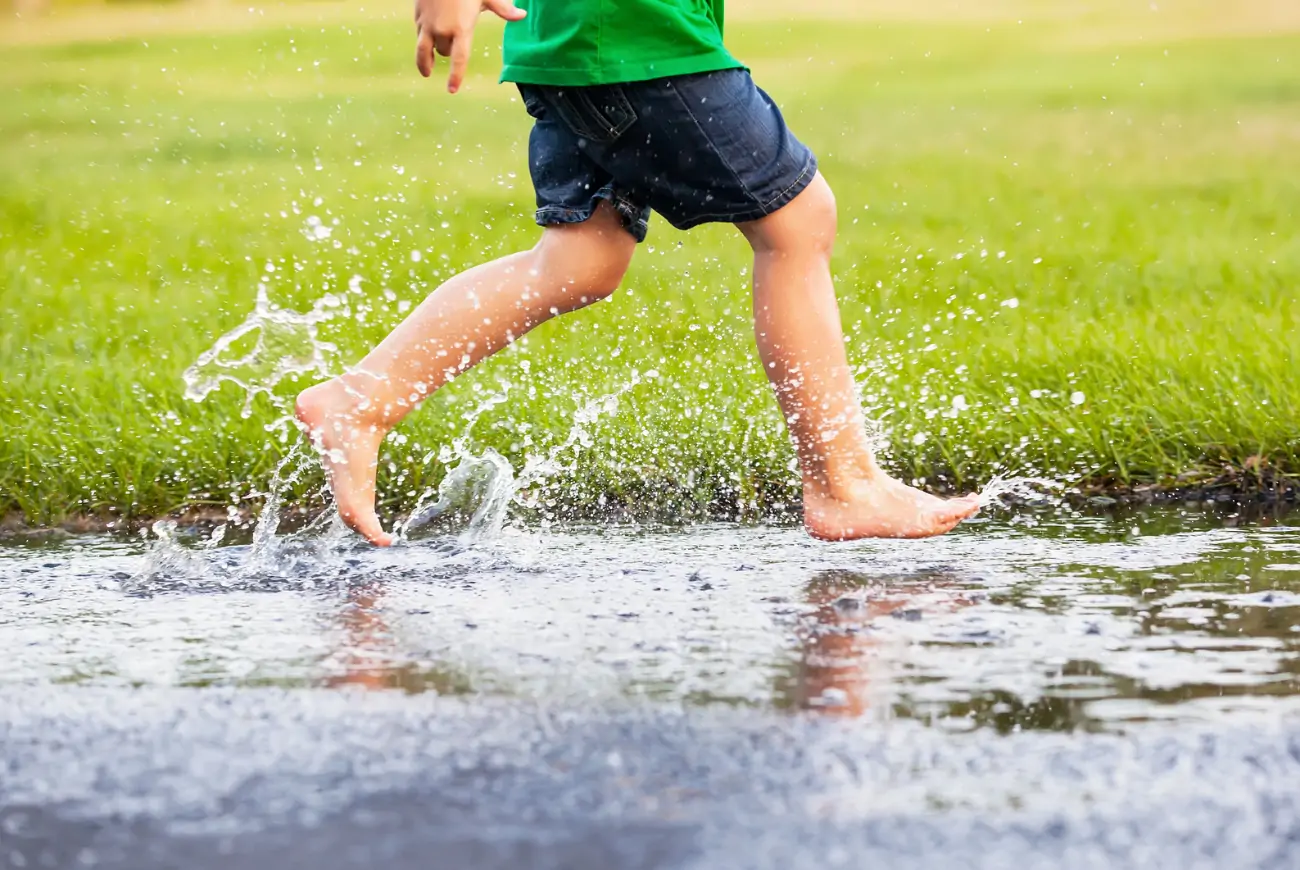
(285, 343)
(484, 479)
(477, 492)
(275, 343)
(301, 559)
(272, 344)
(485, 483)
(1021, 490)
(488, 479)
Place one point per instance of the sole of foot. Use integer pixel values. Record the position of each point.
(348, 447)
(884, 508)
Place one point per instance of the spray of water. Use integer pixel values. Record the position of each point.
(490, 481)
(275, 343)
(272, 343)
(304, 558)
(1021, 490)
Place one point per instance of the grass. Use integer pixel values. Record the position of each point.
(1068, 248)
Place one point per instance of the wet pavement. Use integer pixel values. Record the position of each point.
(1036, 691)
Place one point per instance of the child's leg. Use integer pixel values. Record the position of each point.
(468, 318)
(797, 322)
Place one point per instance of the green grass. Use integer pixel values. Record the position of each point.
(1135, 189)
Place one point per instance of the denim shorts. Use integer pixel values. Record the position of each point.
(702, 148)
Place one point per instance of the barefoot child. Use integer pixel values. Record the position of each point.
(637, 106)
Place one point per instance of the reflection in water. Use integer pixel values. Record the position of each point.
(1048, 622)
(371, 659)
(363, 660)
(837, 646)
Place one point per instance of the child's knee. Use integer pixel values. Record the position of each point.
(807, 224)
(822, 218)
(586, 261)
(596, 268)
(609, 265)
(603, 278)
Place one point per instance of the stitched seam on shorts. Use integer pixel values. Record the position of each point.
(627, 210)
(716, 150)
(760, 210)
(803, 173)
(629, 213)
(562, 214)
(584, 211)
(606, 131)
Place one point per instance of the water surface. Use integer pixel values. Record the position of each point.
(1047, 690)
(1025, 622)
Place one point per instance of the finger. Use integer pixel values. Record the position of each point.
(424, 53)
(460, 50)
(505, 9)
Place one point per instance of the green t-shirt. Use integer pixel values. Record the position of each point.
(600, 42)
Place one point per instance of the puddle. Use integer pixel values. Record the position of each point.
(1041, 691)
(1071, 623)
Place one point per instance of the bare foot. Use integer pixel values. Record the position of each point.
(882, 508)
(348, 445)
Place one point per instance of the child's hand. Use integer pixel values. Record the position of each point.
(447, 27)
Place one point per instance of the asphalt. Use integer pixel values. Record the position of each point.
(220, 778)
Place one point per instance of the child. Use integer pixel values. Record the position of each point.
(637, 106)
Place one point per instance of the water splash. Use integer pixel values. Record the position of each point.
(302, 559)
(273, 343)
(472, 504)
(482, 485)
(487, 479)
(1021, 490)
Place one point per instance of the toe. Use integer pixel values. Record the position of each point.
(365, 523)
(370, 529)
(375, 534)
(961, 508)
(381, 539)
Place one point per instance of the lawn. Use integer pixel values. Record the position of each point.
(1068, 248)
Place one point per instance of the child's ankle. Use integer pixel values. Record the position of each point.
(338, 397)
(842, 481)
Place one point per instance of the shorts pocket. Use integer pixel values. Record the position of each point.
(600, 113)
(532, 101)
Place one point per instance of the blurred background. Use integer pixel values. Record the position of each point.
(1067, 250)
